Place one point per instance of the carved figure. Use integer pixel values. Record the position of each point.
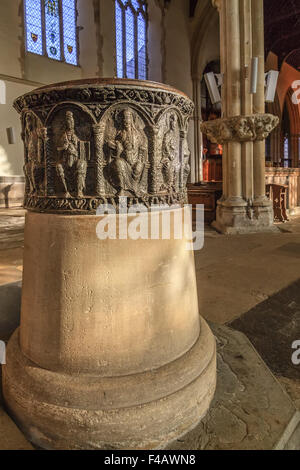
(128, 156)
(72, 165)
(34, 152)
(186, 162)
(169, 154)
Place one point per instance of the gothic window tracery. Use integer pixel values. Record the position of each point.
(51, 29)
(131, 38)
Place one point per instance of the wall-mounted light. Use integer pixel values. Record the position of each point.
(213, 86)
(254, 75)
(11, 135)
(214, 81)
(271, 85)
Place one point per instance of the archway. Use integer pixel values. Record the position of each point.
(205, 48)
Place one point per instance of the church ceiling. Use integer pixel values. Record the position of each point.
(282, 30)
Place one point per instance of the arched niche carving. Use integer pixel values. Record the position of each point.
(169, 151)
(125, 152)
(71, 152)
(35, 140)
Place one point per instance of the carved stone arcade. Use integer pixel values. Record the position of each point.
(86, 145)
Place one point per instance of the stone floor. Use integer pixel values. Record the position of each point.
(250, 282)
(11, 244)
(236, 273)
(250, 410)
(272, 327)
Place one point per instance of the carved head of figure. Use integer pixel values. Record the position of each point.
(70, 124)
(173, 122)
(127, 119)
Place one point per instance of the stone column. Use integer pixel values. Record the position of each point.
(259, 149)
(45, 139)
(246, 97)
(111, 352)
(223, 49)
(184, 150)
(48, 166)
(233, 69)
(155, 165)
(98, 131)
(197, 158)
(243, 126)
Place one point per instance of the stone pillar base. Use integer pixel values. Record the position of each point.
(111, 352)
(240, 220)
(140, 411)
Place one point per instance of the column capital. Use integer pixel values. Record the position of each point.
(255, 127)
(98, 128)
(152, 129)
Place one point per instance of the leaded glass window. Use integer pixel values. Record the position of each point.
(51, 29)
(131, 38)
(34, 36)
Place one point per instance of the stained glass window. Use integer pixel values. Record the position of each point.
(51, 29)
(286, 151)
(142, 41)
(69, 28)
(131, 38)
(34, 36)
(119, 40)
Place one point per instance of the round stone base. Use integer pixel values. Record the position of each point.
(139, 411)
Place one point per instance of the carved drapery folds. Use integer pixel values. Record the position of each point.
(240, 128)
(90, 143)
(35, 139)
